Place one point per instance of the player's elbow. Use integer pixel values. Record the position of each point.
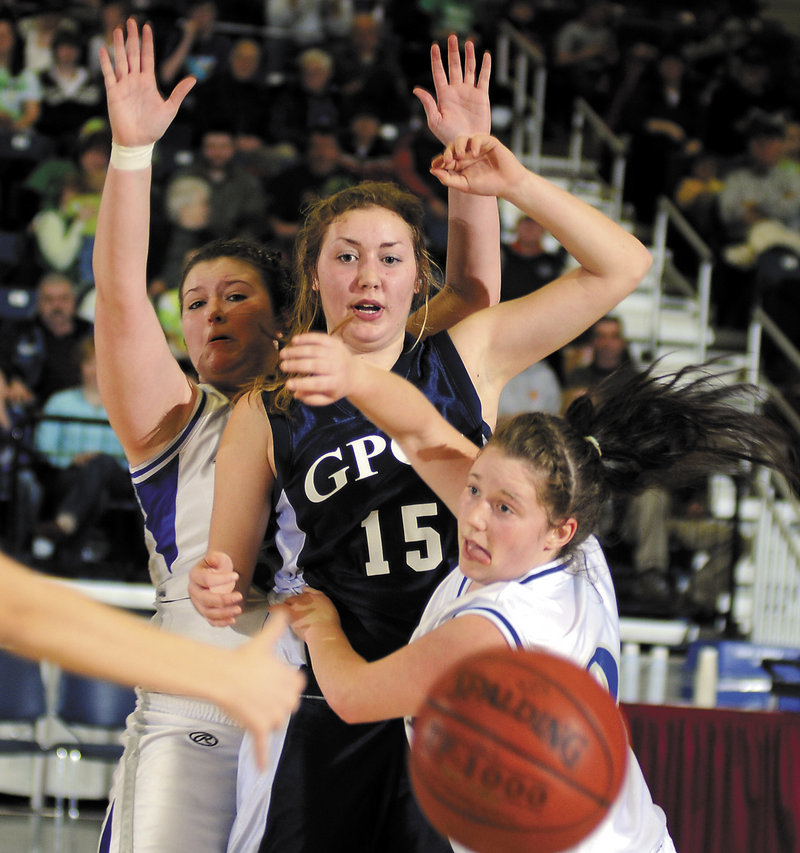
(348, 705)
(638, 263)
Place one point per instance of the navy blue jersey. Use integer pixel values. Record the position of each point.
(354, 519)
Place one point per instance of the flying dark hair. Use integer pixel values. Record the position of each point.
(637, 430)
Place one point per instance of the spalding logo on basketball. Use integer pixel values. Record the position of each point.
(517, 752)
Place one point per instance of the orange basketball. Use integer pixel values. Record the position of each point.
(517, 752)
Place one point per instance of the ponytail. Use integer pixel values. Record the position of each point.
(636, 430)
(664, 430)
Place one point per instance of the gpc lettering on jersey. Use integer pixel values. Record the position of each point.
(333, 470)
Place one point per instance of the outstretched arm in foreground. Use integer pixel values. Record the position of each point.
(40, 618)
(395, 686)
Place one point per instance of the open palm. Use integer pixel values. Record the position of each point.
(462, 102)
(137, 111)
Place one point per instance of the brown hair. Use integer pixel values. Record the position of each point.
(306, 314)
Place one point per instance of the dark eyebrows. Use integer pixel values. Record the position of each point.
(351, 241)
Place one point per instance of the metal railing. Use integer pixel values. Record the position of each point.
(776, 555)
(584, 116)
(522, 67)
(668, 216)
(776, 547)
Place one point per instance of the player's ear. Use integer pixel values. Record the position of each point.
(561, 534)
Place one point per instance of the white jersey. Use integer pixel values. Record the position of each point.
(175, 786)
(567, 607)
(176, 493)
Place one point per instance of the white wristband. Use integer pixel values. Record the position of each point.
(131, 157)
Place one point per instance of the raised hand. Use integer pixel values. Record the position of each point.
(480, 165)
(462, 104)
(138, 113)
(212, 588)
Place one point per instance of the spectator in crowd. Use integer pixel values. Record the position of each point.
(39, 31)
(307, 102)
(188, 214)
(759, 189)
(38, 357)
(20, 92)
(679, 520)
(410, 27)
(745, 84)
(112, 14)
(697, 194)
(365, 150)
(759, 210)
(712, 37)
(65, 223)
(70, 95)
(237, 203)
(461, 17)
(609, 352)
(64, 232)
(310, 22)
(633, 69)
(188, 210)
(585, 56)
(525, 16)
(194, 47)
(369, 75)
(21, 147)
(663, 118)
(319, 173)
(236, 97)
(85, 468)
(527, 263)
(88, 158)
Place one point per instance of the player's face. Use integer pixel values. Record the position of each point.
(503, 529)
(367, 275)
(228, 323)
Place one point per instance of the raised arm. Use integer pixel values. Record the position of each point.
(145, 393)
(498, 343)
(41, 618)
(326, 371)
(461, 106)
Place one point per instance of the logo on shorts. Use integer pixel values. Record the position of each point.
(204, 738)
